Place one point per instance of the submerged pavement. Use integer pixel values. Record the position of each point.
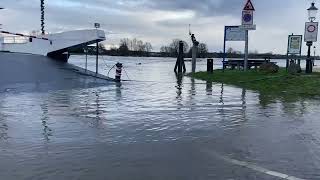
(23, 72)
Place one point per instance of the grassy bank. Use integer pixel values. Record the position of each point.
(279, 83)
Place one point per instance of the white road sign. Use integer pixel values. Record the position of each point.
(235, 33)
(294, 44)
(311, 32)
(247, 17)
(249, 27)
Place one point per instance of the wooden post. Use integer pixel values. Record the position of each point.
(180, 65)
(86, 49)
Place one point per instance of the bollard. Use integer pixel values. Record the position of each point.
(118, 72)
(210, 65)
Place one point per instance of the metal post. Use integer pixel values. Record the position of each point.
(97, 57)
(309, 61)
(246, 51)
(224, 49)
(86, 56)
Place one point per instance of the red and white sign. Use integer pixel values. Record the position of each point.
(249, 6)
(311, 32)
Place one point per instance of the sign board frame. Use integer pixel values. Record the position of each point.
(311, 32)
(247, 17)
(225, 40)
(234, 33)
(294, 44)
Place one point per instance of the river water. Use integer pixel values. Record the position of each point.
(156, 127)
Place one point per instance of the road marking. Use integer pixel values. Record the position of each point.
(254, 167)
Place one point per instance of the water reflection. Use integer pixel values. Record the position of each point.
(221, 94)
(209, 89)
(118, 91)
(47, 132)
(179, 86)
(244, 102)
(3, 125)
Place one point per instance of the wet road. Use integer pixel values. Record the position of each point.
(157, 127)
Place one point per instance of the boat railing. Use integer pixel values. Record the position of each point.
(15, 40)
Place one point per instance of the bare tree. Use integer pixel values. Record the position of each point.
(148, 47)
(174, 46)
(202, 50)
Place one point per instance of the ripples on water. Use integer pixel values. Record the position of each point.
(156, 108)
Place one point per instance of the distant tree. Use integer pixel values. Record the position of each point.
(148, 47)
(165, 51)
(123, 49)
(102, 48)
(134, 47)
(174, 47)
(202, 50)
(230, 50)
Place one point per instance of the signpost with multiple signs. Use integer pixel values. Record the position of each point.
(241, 33)
(247, 24)
(234, 33)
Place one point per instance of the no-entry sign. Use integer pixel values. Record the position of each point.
(311, 32)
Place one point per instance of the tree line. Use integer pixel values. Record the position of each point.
(132, 47)
(136, 47)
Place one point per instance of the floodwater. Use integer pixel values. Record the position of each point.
(157, 126)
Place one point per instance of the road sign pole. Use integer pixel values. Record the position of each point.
(224, 48)
(246, 51)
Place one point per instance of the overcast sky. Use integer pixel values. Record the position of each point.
(160, 21)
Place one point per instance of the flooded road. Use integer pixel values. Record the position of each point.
(157, 127)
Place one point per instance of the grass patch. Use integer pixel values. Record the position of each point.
(278, 83)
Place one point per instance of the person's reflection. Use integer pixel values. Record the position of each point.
(118, 91)
(179, 88)
(97, 103)
(47, 132)
(209, 89)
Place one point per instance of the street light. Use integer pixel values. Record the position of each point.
(312, 13)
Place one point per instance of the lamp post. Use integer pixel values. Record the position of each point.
(0, 9)
(312, 13)
(314, 55)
